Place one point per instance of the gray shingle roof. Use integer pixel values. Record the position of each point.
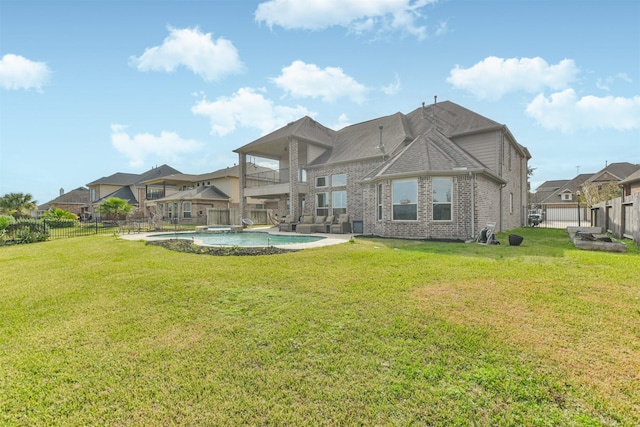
(123, 193)
(210, 192)
(120, 178)
(634, 177)
(79, 196)
(431, 151)
(617, 171)
(305, 128)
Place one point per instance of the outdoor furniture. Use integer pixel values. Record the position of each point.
(306, 225)
(288, 224)
(325, 226)
(342, 226)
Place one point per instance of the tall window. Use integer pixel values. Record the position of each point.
(379, 202)
(338, 202)
(510, 202)
(322, 204)
(405, 200)
(338, 180)
(442, 199)
(186, 209)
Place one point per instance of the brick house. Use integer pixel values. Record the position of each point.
(75, 201)
(439, 172)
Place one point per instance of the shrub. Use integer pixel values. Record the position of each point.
(26, 230)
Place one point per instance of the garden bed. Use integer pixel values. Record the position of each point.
(182, 245)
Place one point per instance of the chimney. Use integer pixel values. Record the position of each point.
(61, 191)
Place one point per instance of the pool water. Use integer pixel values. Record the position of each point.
(244, 239)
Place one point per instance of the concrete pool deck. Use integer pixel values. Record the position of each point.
(329, 239)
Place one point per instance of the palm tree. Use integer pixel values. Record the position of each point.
(58, 213)
(17, 204)
(115, 208)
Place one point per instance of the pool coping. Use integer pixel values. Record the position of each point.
(329, 239)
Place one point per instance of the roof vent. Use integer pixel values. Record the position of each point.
(381, 145)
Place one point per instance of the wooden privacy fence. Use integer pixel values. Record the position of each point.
(620, 217)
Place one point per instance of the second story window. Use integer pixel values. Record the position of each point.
(339, 180)
(321, 181)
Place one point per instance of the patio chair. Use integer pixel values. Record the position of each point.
(325, 226)
(288, 224)
(342, 226)
(306, 225)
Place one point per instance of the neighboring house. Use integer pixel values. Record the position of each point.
(75, 201)
(558, 199)
(621, 216)
(126, 186)
(193, 198)
(439, 172)
(631, 184)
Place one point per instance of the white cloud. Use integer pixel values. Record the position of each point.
(188, 47)
(301, 80)
(343, 121)
(607, 81)
(247, 108)
(356, 15)
(494, 77)
(167, 145)
(393, 87)
(566, 112)
(18, 72)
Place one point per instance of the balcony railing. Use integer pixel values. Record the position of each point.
(273, 177)
(155, 195)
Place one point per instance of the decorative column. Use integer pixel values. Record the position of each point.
(294, 198)
(242, 174)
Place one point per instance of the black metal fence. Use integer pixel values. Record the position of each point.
(32, 230)
(558, 216)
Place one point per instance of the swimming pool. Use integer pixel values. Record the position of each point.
(244, 239)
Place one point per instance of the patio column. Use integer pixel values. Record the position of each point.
(242, 174)
(294, 199)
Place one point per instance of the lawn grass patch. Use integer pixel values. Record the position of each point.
(99, 330)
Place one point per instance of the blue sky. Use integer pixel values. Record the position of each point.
(89, 88)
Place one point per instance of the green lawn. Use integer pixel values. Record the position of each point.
(103, 331)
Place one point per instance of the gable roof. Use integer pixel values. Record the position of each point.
(123, 193)
(184, 178)
(120, 178)
(614, 172)
(432, 152)
(305, 128)
(79, 196)
(634, 177)
(209, 192)
(362, 140)
(550, 191)
(449, 118)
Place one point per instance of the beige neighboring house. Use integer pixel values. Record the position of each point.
(631, 184)
(75, 201)
(204, 199)
(558, 199)
(126, 186)
(439, 172)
